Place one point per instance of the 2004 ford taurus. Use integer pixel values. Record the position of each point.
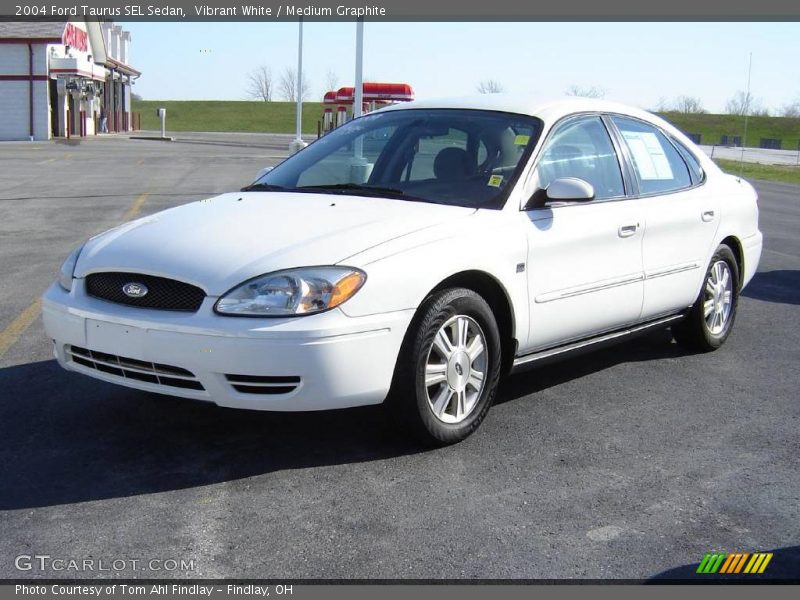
(412, 257)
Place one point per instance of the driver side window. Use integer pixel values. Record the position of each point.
(582, 148)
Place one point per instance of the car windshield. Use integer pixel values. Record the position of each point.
(459, 157)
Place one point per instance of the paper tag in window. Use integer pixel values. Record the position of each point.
(522, 140)
(495, 180)
(648, 155)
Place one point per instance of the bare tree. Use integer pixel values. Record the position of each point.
(791, 110)
(662, 105)
(585, 92)
(688, 105)
(743, 103)
(331, 81)
(259, 84)
(288, 86)
(490, 86)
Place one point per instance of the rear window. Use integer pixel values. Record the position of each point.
(695, 170)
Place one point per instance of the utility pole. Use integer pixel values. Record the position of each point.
(298, 143)
(358, 94)
(748, 104)
(358, 98)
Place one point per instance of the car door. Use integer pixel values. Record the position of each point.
(584, 259)
(681, 216)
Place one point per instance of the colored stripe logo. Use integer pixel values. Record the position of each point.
(734, 563)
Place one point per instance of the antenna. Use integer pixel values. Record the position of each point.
(747, 103)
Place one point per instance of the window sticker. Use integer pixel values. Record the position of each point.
(522, 140)
(649, 156)
(495, 180)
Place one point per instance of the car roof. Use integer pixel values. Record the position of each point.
(548, 110)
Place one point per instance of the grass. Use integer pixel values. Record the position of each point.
(786, 174)
(712, 127)
(240, 116)
(278, 117)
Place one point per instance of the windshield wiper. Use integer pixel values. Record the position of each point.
(263, 187)
(342, 188)
(354, 187)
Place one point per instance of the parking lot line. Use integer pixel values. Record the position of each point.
(136, 207)
(18, 326)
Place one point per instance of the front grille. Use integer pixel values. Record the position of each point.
(130, 368)
(269, 384)
(162, 293)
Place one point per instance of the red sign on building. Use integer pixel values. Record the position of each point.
(75, 38)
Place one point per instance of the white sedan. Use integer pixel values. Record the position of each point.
(412, 257)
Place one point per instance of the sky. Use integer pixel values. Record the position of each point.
(635, 63)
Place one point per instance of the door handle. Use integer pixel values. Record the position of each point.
(708, 215)
(627, 230)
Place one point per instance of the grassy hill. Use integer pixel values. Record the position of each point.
(711, 127)
(784, 173)
(215, 115)
(278, 117)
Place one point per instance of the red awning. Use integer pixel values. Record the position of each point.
(345, 95)
(393, 92)
(376, 92)
(329, 98)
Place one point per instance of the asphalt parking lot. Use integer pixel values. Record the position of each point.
(632, 462)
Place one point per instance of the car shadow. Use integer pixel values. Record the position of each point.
(656, 345)
(69, 438)
(782, 286)
(784, 567)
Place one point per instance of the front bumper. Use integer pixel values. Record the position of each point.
(317, 362)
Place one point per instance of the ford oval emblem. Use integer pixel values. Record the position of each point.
(134, 290)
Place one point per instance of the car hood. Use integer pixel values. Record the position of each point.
(220, 242)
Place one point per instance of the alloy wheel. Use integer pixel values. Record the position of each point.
(718, 299)
(455, 369)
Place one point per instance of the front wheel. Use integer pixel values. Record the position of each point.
(447, 373)
(710, 319)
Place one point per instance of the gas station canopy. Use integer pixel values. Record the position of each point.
(373, 92)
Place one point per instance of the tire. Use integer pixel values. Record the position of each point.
(706, 333)
(433, 397)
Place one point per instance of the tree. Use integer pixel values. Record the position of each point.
(662, 105)
(490, 86)
(288, 86)
(743, 103)
(791, 110)
(259, 84)
(135, 97)
(331, 81)
(688, 105)
(585, 92)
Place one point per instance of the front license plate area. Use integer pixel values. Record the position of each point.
(111, 338)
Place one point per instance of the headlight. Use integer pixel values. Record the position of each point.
(68, 269)
(301, 291)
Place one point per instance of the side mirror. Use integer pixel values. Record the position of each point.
(563, 189)
(570, 189)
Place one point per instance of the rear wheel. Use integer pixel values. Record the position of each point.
(447, 374)
(711, 318)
